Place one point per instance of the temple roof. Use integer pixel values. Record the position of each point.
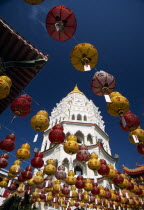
(136, 171)
(19, 60)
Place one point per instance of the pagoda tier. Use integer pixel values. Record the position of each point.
(19, 60)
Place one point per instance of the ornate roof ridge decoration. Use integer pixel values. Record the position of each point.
(19, 60)
(76, 90)
(135, 171)
(139, 165)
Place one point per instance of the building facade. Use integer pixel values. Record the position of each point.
(79, 116)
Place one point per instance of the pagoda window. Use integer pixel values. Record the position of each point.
(79, 117)
(89, 139)
(68, 134)
(78, 170)
(73, 117)
(66, 164)
(80, 137)
(85, 118)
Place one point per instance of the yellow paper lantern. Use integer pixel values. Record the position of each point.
(112, 174)
(24, 152)
(38, 179)
(4, 88)
(70, 179)
(71, 146)
(50, 168)
(39, 122)
(118, 106)
(88, 185)
(94, 163)
(139, 133)
(84, 54)
(15, 169)
(56, 186)
(7, 79)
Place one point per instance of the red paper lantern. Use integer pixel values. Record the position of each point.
(102, 83)
(21, 107)
(140, 148)
(56, 136)
(11, 136)
(26, 175)
(131, 186)
(83, 154)
(37, 162)
(108, 195)
(132, 122)
(80, 182)
(39, 154)
(27, 97)
(60, 174)
(102, 161)
(119, 179)
(65, 189)
(103, 170)
(7, 145)
(58, 126)
(95, 190)
(61, 23)
(21, 179)
(3, 162)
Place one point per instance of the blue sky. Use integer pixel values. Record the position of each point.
(116, 29)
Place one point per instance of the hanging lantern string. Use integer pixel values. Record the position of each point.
(17, 158)
(18, 86)
(22, 138)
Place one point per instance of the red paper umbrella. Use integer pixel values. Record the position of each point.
(61, 23)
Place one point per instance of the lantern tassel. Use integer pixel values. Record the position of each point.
(123, 121)
(135, 138)
(35, 138)
(87, 67)
(13, 118)
(107, 98)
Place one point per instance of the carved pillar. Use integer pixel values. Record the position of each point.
(43, 145)
(85, 140)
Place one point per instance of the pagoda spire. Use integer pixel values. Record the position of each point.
(76, 90)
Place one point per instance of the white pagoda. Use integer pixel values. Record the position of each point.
(79, 116)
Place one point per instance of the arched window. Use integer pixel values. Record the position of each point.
(89, 139)
(80, 137)
(85, 118)
(79, 117)
(67, 134)
(66, 164)
(73, 117)
(78, 170)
